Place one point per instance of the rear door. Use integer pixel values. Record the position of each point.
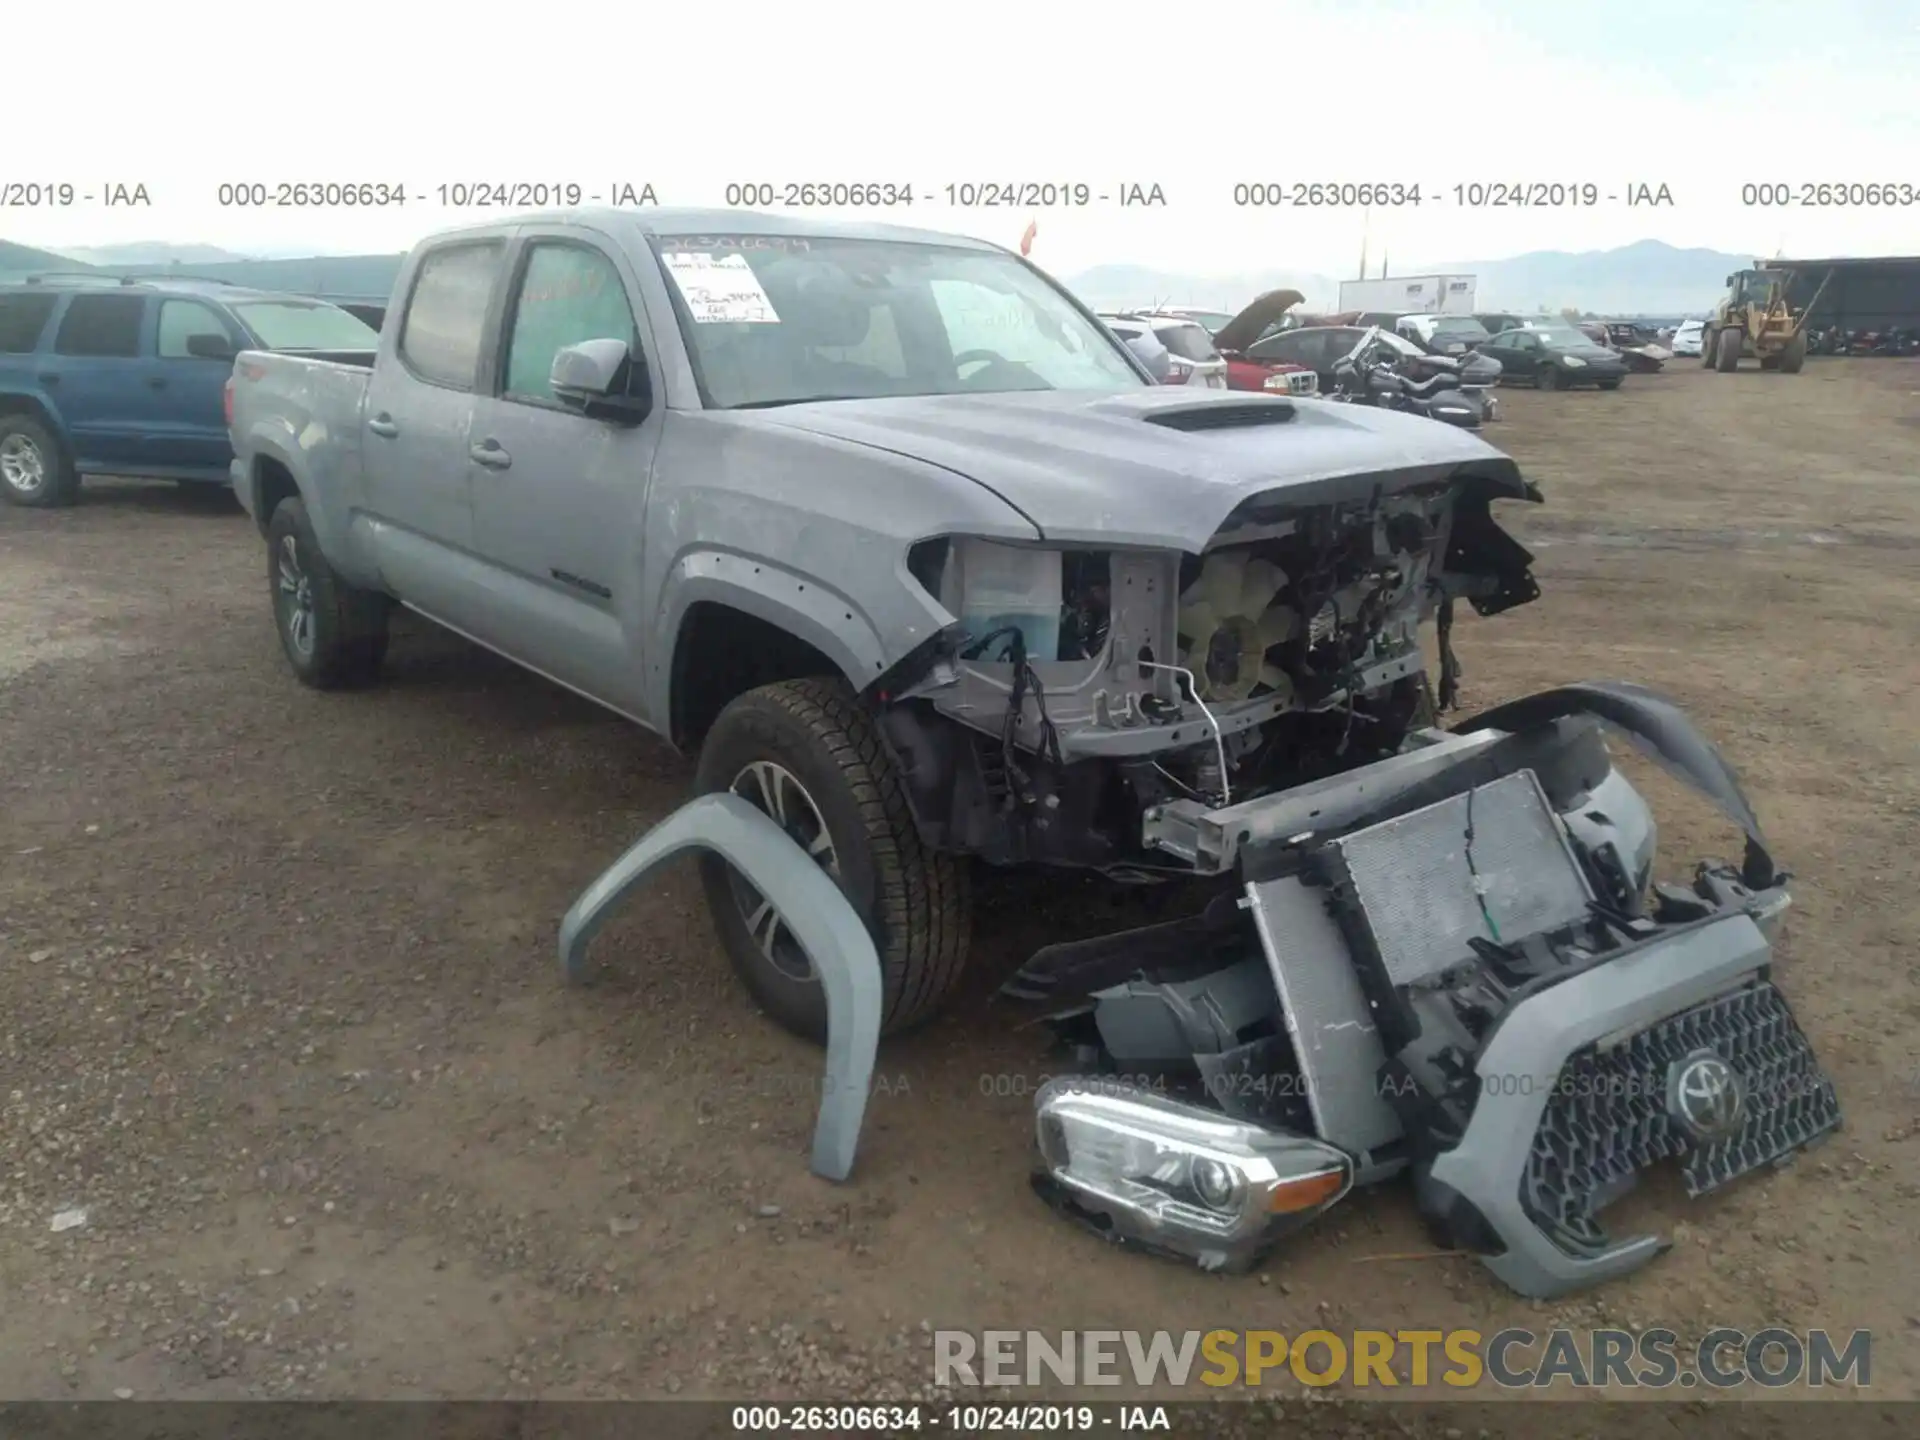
(559, 499)
(420, 406)
(189, 430)
(97, 378)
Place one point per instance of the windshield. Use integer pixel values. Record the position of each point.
(778, 319)
(1565, 335)
(305, 325)
(1460, 327)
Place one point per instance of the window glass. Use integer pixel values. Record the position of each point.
(306, 325)
(569, 294)
(101, 325)
(181, 319)
(446, 318)
(1189, 342)
(22, 318)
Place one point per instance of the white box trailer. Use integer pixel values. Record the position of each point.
(1411, 295)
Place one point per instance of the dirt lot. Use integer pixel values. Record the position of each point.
(279, 1008)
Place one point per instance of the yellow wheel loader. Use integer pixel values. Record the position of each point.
(1753, 319)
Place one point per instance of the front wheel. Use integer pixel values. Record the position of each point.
(1609, 384)
(1726, 350)
(808, 755)
(34, 471)
(333, 634)
(1547, 377)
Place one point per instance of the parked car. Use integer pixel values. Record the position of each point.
(1688, 339)
(1191, 358)
(103, 376)
(1443, 334)
(1241, 336)
(1636, 346)
(1555, 357)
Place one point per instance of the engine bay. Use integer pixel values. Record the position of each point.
(1081, 688)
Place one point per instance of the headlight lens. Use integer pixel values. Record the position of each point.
(1573, 362)
(1179, 1177)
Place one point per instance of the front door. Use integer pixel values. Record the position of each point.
(419, 407)
(559, 499)
(189, 425)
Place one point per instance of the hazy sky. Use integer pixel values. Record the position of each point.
(1702, 97)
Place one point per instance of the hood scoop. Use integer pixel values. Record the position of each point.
(1227, 416)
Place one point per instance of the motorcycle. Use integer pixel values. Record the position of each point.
(1369, 375)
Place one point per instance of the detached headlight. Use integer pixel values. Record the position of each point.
(1177, 1178)
(1277, 382)
(1573, 362)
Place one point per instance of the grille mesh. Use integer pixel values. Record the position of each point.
(1608, 1116)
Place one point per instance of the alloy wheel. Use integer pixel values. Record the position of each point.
(777, 793)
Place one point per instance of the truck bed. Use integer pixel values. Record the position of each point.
(284, 403)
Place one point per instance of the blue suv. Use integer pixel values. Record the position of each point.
(100, 375)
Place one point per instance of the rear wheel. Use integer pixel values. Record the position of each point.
(807, 754)
(1706, 349)
(34, 470)
(1726, 350)
(334, 635)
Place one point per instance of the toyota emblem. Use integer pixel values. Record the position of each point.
(1706, 1096)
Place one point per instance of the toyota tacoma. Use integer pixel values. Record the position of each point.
(889, 531)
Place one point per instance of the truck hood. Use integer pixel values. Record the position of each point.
(1162, 468)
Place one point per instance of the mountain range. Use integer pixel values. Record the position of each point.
(1647, 277)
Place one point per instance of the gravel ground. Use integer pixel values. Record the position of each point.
(294, 1104)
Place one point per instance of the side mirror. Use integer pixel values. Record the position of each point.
(604, 380)
(210, 347)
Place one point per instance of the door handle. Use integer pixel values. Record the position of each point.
(489, 454)
(158, 382)
(383, 425)
(49, 377)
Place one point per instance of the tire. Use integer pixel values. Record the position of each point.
(1547, 377)
(34, 468)
(810, 742)
(1726, 350)
(342, 641)
(1609, 384)
(1707, 338)
(1795, 354)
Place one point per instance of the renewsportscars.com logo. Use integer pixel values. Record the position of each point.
(1510, 1359)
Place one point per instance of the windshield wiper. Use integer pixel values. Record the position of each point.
(790, 400)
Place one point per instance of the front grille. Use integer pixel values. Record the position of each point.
(1609, 1115)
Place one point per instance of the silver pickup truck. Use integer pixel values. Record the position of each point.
(902, 542)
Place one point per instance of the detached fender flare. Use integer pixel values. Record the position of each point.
(1656, 726)
(802, 605)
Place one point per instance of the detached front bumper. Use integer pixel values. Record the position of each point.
(1453, 963)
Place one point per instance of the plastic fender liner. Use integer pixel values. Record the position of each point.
(1657, 726)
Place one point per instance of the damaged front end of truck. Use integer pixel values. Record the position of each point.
(1437, 951)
